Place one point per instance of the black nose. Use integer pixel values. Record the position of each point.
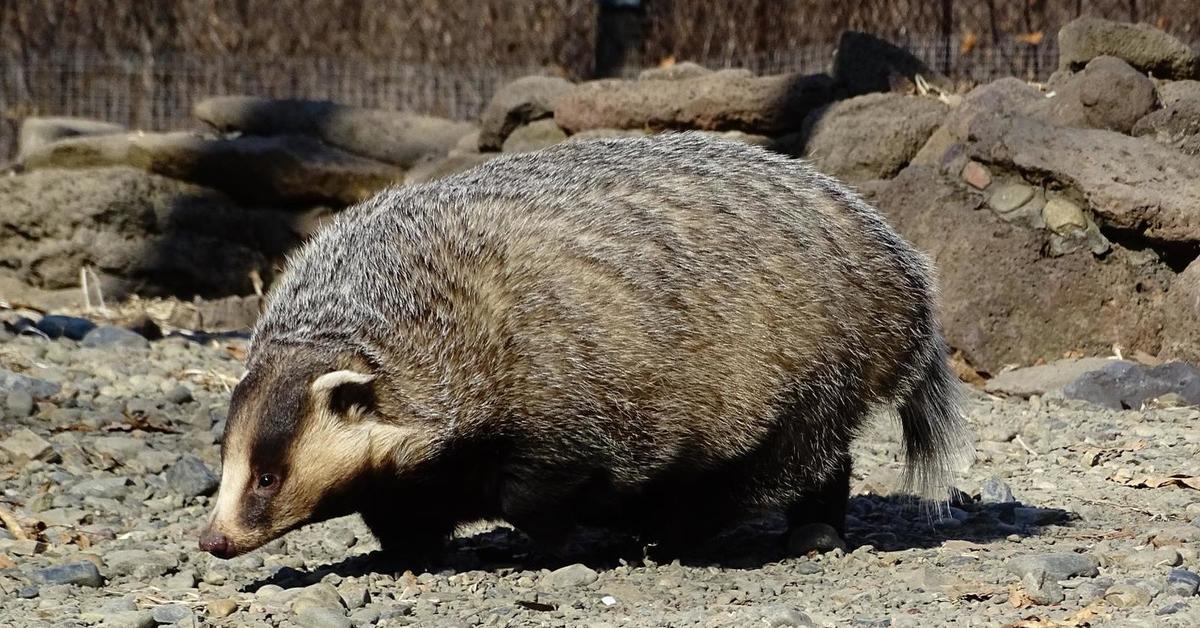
(215, 543)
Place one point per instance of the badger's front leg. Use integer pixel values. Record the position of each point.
(408, 542)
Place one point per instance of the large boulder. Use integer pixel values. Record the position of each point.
(1181, 316)
(1005, 96)
(872, 136)
(1107, 94)
(534, 136)
(720, 101)
(1141, 45)
(394, 137)
(1177, 124)
(36, 132)
(864, 63)
(1132, 184)
(516, 104)
(288, 169)
(1005, 300)
(141, 233)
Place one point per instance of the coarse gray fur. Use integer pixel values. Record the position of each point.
(619, 316)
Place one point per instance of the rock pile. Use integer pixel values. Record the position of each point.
(1062, 216)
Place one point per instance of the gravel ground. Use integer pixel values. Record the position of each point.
(1069, 517)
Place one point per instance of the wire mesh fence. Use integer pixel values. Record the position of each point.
(158, 92)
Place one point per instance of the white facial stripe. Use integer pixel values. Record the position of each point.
(235, 473)
(332, 380)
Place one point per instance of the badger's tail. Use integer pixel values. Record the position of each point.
(936, 436)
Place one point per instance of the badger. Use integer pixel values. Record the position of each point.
(654, 335)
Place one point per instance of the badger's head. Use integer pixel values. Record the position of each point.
(305, 434)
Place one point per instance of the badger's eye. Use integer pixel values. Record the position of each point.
(267, 480)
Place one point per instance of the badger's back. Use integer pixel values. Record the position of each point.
(633, 303)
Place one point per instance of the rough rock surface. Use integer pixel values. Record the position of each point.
(113, 540)
(1043, 379)
(1177, 123)
(726, 100)
(286, 169)
(674, 72)
(140, 232)
(870, 137)
(1130, 183)
(1123, 385)
(1005, 299)
(1141, 45)
(534, 136)
(516, 104)
(36, 131)
(1107, 94)
(394, 137)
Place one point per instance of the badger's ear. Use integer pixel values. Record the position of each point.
(346, 390)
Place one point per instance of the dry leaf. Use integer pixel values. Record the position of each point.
(1033, 39)
(1125, 477)
(969, 41)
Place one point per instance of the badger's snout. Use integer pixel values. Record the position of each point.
(216, 543)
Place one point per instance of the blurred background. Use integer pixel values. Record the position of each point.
(144, 64)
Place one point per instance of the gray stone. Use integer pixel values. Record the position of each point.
(310, 616)
(28, 592)
(720, 101)
(354, 595)
(1152, 558)
(82, 573)
(1008, 197)
(130, 619)
(1183, 582)
(122, 449)
(23, 443)
(140, 232)
(1141, 45)
(1064, 217)
(108, 487)
(868, 137)
(173, 614)
(1126, 595)
(814, 537)
(1126, 182)
(1107, 94)
(285, 169)
(1056, 566)
(179, 394)
(141, 564)
(571, 576)
(38, 388)
(59, 326)
(1177, 123)
(1123, 385)
(112, 336)
(392, 137)
(37, 131)
(1041, 589)
(782, 616)
(517, 104)
(1043, 379)
(534, 136)
(190, 477)
(995, 491)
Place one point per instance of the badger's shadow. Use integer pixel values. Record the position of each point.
(887, 523)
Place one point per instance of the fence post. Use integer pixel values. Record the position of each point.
(620, 32)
